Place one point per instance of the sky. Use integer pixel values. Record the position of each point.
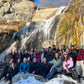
(56, 1)
(36, 1)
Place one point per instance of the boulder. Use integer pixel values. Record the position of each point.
(61, 79)
(4, 82)
(18, 77)
(17, 10)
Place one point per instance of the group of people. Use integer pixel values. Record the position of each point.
(45, 62)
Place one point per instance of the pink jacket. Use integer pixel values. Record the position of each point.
(37, 57)
(68, 64)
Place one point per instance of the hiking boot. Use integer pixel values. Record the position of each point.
(78, 80)
(81, 77)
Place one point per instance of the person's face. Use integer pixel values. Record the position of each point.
(25, 60)
(26, 51)
(46, 49)
(56, 47)
(12, 65)
(11, 61)
(49, 50)
(18, 61)
(10, 51)
(44, 60)
(56, 55)
(77, 48)
(62, 47)
(65, 55)
(67, 50)
(31, 53)
(72, 48)
(34, 60)
(15, 51)
(19, 51)
(28, 59)
(32, 49)
(35, 50)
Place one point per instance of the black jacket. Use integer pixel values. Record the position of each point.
(31, 57)
(25, 55)
(17, 68)
(45, 68)
(35, 67)
(15, 57)
(6, 68)
(11, 73)
(49, 56)
(20, 56)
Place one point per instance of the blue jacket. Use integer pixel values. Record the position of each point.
(24, 67)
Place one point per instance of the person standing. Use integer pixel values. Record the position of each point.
(9, 56)
(38, 55)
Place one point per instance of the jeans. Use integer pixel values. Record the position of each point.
(50, 74)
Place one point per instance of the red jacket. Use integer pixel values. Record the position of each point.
(80, 57)
(37, 57)
(82, 52)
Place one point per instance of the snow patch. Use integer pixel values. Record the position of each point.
(61, 80)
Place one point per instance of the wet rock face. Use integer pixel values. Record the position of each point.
(17, 10)
(71, 29)
(7, 29)
(5, 39)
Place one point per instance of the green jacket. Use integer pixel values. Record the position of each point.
(57, 64)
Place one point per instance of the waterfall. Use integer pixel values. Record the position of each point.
(21, 36)
(45, 26)
(55, 42)
(55, 38)
(29, 32)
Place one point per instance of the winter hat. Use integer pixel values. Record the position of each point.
(64, 53)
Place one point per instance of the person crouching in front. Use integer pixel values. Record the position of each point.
(24, 66)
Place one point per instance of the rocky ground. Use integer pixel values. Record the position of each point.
(29, 78)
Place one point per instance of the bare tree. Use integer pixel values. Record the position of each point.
(65, 2)
(53, 3)
(43, 3)
(50, 5)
